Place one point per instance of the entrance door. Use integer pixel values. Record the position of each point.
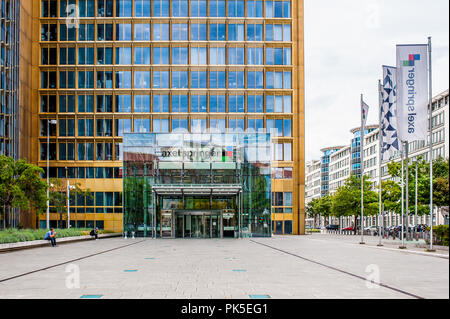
(166, 224)
(198, 224)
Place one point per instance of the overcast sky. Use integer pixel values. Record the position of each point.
(346, 43)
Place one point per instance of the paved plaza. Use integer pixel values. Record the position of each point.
(314, 266)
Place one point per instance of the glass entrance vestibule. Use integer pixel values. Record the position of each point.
(212, 185)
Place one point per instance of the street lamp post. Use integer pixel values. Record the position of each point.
(69, 187)
(48, 170)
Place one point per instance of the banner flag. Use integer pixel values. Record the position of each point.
(412, 89)
(389, 127)
(365, 113)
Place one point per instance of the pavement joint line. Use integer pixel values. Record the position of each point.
(339, 270)
(444, 256)
(67, 262)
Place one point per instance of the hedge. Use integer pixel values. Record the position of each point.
(14, 235)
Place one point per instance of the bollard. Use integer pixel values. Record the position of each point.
(132, 234)
(125, 234)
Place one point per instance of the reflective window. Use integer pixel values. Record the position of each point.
(255, 79)
(85, 55)
(236, 125)
(278, 104)
(198, 103)
(86, 32)
(105, 8)
(198, 55)
(198, 31)
(179, 103)
(278, 9)
(123, 80)
(255, 103)
(198, 79)
(236, 79)
(217, 32)
(67, 79)
(255, 56)
(217, 125)
(217, 79)
(123, 32)
(142, 32)
(141, 125)
(66, 103)
(161, 125)
(278, 32)
(254, 32)
(105, 79)
(217, 104)
(216, 56)
(123, 56)
(161, 103)
(255, 9)
(161, 8)
(85, 103)
(179, 55)
(142, 103)
(179, 31)
(217, 8)
(198, 8)
(104, 103)
(235, 8)
(179, 79)
(142, 8)
(180, 125)
(105, 32)
(124, 8)
(66, 56)
(104, 56)
(142, 55)
(142, 79)
(236, 103)
(160, 31)
(161, 79)
(255, 125)
(198, 125)
(161, 55)
(123, 103)
(123, 126)
(235, 32)
(236, 56)
(180, 8)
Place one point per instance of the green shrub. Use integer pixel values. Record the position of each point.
(440, 235)
(13, 235)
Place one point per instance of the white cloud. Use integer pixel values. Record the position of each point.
(346, 42)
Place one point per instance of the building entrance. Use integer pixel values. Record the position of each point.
(198, 224)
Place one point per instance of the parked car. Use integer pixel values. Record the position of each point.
(372, 230)
(349, 228)
(332, 227)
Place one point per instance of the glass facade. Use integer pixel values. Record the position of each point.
(160, 66)
(210, 185)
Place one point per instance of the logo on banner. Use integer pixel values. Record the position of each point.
(412, 60)
(227, 154)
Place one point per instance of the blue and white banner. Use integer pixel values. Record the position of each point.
(412, 85)
(389, 128)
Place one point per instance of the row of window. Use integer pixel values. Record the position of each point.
(167, 56)
(166, 8)
(161, 32)
(165, 103)
(104, 152)
(282, 199)
(167, 79)
(82, 172)
(104, 127)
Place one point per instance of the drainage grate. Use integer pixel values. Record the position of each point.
(91, 296)
(259, 296)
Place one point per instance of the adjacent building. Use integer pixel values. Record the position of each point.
(346, 161)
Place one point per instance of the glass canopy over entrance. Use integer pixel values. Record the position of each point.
(182, 185)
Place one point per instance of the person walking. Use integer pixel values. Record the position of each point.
(51, 235)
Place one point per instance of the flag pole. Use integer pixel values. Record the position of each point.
(362, 171)
(430, 93)
(380, 158)
(403, 205)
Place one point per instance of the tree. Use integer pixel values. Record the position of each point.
(312, 209)
(347, 200)
(20, 185)
(440, 183)
(58, 195)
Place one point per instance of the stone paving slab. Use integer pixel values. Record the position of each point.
(205, 269)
